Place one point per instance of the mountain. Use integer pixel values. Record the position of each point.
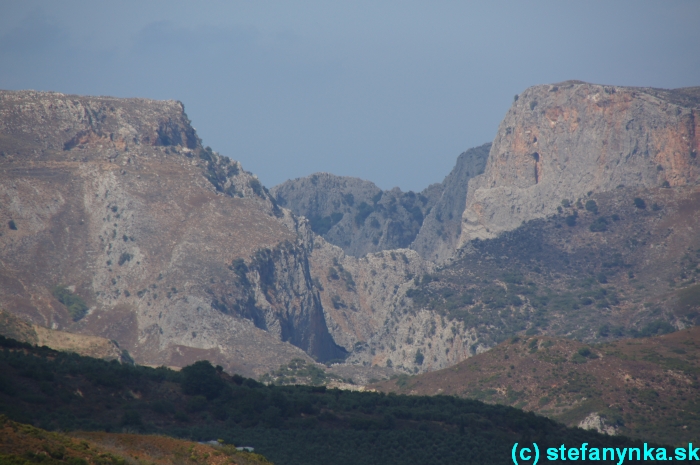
(565, 140)
(360, 218)
(356, 215)
(118, 223)
(123, 236)
(645, 388)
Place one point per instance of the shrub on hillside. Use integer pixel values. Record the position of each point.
(74, 303)
(201, 379)
(591, 206)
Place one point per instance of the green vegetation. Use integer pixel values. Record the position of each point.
(583, 355)
(688, 299)
(256, 186)
(640, 203)
(654, 328)
(599, 225)
(123, 258)
(74, 303)
(299, 372)
(363, 211)
(419, 357)
(321, 225)
(288, 424)
(592, 207)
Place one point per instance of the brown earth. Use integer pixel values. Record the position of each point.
(21, 443)
(646, 388)
(90, 346)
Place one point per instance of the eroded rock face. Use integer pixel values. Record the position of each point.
(369, 313)
(177, 252)
(441, 229)
(598, 423)
(563, 141)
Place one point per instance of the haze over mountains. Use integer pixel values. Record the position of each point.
(580, 220)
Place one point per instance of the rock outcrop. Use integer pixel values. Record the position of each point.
(90, 346)
(560, 142)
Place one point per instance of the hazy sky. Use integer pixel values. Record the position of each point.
(391, 92)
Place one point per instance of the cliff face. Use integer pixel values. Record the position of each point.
(563, 141)
(441, 229)
(370, 314)
(174, 251)
(178, 254)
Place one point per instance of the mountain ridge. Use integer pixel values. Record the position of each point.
(179, 252)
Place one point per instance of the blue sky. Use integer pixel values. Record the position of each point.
(391, 92)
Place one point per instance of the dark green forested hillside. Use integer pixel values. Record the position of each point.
(288, 424)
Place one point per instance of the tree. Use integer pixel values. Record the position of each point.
(419, 357)
(591, 206)
(201, 378)
(75, 305)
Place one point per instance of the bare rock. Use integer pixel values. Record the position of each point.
(596, 422)
(441, 229)
(174, 251)
(561, 142)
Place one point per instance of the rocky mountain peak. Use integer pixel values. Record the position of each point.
(562, 141)
(70, 122)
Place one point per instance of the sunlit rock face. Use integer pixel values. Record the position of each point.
(567, 140)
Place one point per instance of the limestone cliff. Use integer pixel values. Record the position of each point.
(153, 241)
(560, 142)
(441, 229)
(369, 313)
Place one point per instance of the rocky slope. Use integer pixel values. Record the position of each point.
(90, 346)
(593, 272)
(119, 224)
(563, 141)
(158, 243)
(616, 387)
(354, 214)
